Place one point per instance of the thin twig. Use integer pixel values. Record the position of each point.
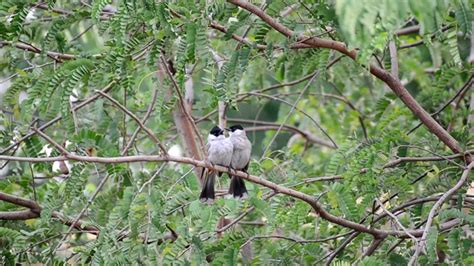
(301, 111)
(401, 160)
(143, 121)
(396, 220)
(52, 142)
(89, 100)
(421, 244)
(461, 91)
(139, 122)
(293, 107)
(296, 240)
(78, 217)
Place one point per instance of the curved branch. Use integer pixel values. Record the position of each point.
(20, 201)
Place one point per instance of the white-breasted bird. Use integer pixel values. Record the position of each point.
(219, 150)
(240, 159)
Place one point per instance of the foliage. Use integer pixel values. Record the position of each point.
(147, 212)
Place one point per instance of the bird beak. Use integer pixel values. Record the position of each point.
(228, 129)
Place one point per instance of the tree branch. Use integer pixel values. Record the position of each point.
(461, 91)
(35, 209)
(323, 213)
(426, 159)
(408, 30)
(145, 118)
(18, 215)
(373, 246)
(134, 117)
(392, 47)
(89, 100)
(190, 123)
(395, 84)
(30, 48)
(396, 220)
(20, 201)
(245, 41)
(438, 204)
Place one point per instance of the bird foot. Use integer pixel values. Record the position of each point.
(208, 201)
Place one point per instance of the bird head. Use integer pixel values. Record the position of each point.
(215, 132)
(236, 130)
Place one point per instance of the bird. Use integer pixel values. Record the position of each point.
(240, 159)
(219, 150)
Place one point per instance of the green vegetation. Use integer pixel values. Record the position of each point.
(359, 112)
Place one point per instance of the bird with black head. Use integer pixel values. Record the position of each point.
(219, 150)
(242, 148)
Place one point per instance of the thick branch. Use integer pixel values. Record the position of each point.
(395, 84)
(245, 41)
(35, 212)
(20, 201)
(18, 215)
(255, 179)
(392, 47)
(373, 246)
(408, 30)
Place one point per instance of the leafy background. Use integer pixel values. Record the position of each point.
(148, 212)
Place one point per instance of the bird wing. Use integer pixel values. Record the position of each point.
(246, 167)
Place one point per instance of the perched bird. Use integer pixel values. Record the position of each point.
(219, 150)
(240, 159)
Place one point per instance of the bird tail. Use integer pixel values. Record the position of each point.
(237, 187)
(207, 192)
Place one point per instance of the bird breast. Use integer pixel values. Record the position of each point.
(242, 151)
(220, 152)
